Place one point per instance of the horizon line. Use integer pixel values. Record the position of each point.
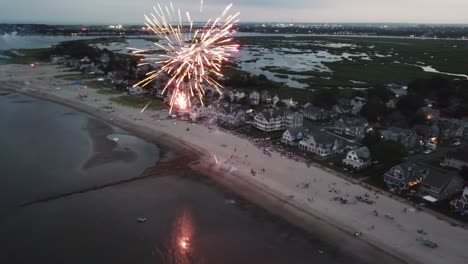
(239, 23)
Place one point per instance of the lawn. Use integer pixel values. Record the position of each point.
(74, 76)
(138, 102)
(27, 56)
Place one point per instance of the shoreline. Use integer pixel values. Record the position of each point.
(274, 203)
(272, 191)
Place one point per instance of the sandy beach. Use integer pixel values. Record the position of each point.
(280, 188)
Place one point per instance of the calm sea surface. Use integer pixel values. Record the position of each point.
(47, 150)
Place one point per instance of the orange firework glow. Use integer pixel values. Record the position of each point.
(181, 101)
(192, 58)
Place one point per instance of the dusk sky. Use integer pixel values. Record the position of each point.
(132, 11)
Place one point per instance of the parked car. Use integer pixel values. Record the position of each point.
(428, 151)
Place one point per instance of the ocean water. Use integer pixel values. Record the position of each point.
(51, 151)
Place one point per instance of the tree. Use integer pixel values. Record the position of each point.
(77, 49)
(464, 174)
(371, 139)
(280, 104)
(396, 118)
(326, 98)
(374, 110)
(381, 93)
(388, 153)
(409, 104)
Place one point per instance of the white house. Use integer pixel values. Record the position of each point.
(357, 158)
(321, 143)
(279, 119)
(315, 113)
(456, 159)
(351, 125)
(292, 136)
(231, 115)
(201, 112)
(406, 137)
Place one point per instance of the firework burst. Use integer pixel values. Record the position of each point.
(192, 56)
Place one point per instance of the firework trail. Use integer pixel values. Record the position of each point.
(192, 56)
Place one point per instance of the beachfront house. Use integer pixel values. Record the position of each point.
(440, 185)
(456, 159)
(277, 119)
(351, 125)
(231, 115)
(201, 112)
(292, 136)
(321, 143)
(316, 114)
(357, 159)
(403, 176)
(460, 205)
(406, 137)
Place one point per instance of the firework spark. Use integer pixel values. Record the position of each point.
(193, 56)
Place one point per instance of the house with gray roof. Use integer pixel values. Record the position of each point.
(427, 133)
(405, 175)
(254, 98)
(398, 90)
(277, 119)
(315, 113)
(343, 106)
(440, 185)
(230, 115)
(321, 143)
(266, 98)
(292, 136)
(357, 159)
(456, 159)
(406, 137)
(452, 127)
(357, 103)
(351, 125)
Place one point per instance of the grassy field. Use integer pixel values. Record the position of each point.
(74, 77)
(27, 56)
(138, 102)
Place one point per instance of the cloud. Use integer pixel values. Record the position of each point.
(132, 11)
